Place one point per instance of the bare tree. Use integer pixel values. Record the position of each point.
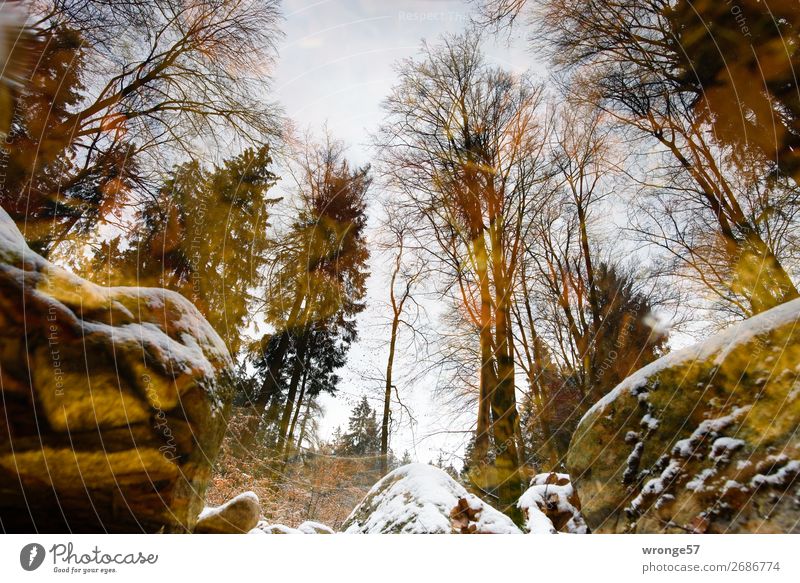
(407, 271)
(582, 315)
(138, 86)
(464, 142)
(623, 57)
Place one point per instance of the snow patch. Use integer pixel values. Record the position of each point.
(656, 486)
(780, 479)
(311, 527)
(264, 527)
(686, 448)
(698, 483)
(723, 446)
(308, 527)
(649, 422)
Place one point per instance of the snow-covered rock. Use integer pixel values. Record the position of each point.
(308, 527)
(422, 499)
(704, 439)
(264, 527)
(550, 505)
(113, 400)
(238, 515)
(311, 527)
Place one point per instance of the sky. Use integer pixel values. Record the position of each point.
(336, 60)
(335, 67)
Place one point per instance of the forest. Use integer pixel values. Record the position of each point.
(513, 293)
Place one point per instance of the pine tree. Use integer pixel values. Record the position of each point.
(362, 437)
(447, 467)
(317, 288)
(627, 340)
(205, 236)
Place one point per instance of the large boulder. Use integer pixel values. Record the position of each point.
(704, 439)
(237, 516)
(113, 401)
(422, 499)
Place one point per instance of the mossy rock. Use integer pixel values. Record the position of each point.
(113, 401)
(705, 439)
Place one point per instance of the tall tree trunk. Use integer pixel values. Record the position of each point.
(290, 438)
(535, 372)
(480, 471)
(274, 369)
(297, 373)
(387, 395)
(505, 425)
(509, 322)
(306, 413)
(594, 305)
(760, 273)
(543, 402)
(268, 389)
